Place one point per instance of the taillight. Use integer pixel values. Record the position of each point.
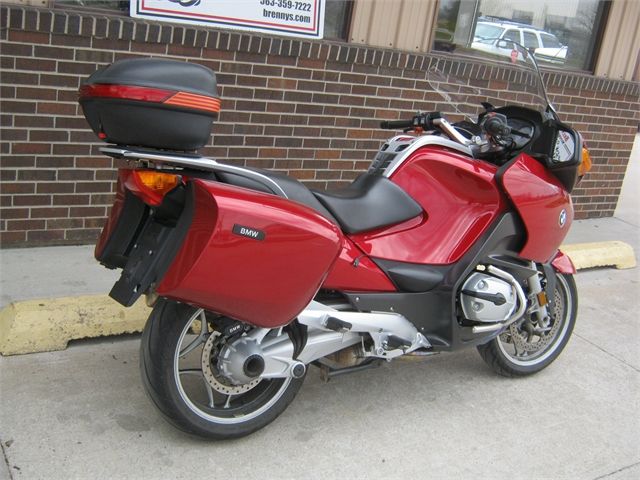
(151, 186)
(151, 95)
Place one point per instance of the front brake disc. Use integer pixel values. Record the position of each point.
(519, 336)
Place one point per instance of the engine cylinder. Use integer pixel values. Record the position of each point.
(487, 299)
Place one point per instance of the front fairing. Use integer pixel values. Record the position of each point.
(543, 203)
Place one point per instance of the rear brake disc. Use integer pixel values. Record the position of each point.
(211, 374)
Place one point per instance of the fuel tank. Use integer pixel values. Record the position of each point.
(460, 199)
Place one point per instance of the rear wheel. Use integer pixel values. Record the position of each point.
(524, 347)
(179, 366)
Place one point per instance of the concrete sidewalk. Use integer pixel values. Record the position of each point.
(82, 413)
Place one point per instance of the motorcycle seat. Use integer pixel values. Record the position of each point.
(370, 202)
(294, 190)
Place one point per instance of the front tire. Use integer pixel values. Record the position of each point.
(192, 396)
(512, 355)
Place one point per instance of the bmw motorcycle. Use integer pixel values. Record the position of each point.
(449, 240)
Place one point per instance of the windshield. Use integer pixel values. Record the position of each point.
(511, 80)
(486, 32)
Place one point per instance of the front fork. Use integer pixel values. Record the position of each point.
(539, 298)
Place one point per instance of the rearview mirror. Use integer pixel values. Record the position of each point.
(564, 148)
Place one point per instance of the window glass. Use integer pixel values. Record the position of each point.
(119, 5)
(549, 41)
(568, 29)
(487, 31)
(530, 39)
(512, 35)
(336, 19)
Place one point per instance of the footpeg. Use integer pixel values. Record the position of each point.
(337, 325)
(393, 342)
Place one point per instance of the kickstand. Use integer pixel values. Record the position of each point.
(326, 372)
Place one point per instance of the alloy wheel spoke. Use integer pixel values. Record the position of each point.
(209, 392)
(519, 353)
(202, 336)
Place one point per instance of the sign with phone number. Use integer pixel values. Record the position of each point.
(297, 18)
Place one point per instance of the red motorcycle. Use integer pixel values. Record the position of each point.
(449, 240)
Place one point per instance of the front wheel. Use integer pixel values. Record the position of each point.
(523, 348)
(180, 370)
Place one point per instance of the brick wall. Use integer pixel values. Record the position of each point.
(307, 108)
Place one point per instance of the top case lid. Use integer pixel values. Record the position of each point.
(158, 73)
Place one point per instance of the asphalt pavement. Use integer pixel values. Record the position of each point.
(82, 412)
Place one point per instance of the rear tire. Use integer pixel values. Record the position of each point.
(191, 404)
(501, 353)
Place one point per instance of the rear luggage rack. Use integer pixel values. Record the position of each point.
(193, 162)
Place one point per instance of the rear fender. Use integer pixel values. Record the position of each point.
(127, 215)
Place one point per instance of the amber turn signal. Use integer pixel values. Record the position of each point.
(157, 181)
(151, 186)
(585, 164)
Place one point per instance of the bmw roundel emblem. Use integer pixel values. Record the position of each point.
(562, 219)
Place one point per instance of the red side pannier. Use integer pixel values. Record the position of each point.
(150, 102)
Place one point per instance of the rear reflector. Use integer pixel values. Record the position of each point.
(191, 100)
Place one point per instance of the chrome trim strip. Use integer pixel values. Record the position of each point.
(197, 163)
(420, 142)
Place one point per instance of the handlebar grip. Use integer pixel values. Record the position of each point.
(396, 124)
(495, 124)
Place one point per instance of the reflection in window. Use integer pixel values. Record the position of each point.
(336, 19)
(512, 35)
(561, 33)
(530, 39)
(120, 5)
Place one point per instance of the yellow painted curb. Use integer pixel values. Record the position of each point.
(47, 325)
(600, 254)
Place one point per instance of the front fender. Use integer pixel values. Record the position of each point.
(563, 264)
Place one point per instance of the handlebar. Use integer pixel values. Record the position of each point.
(495, 125)
(396, 124)
(496, 131)
(425, 121)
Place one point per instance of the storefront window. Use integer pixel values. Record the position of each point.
(117, 5)
(561, 33)
(337, 18)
